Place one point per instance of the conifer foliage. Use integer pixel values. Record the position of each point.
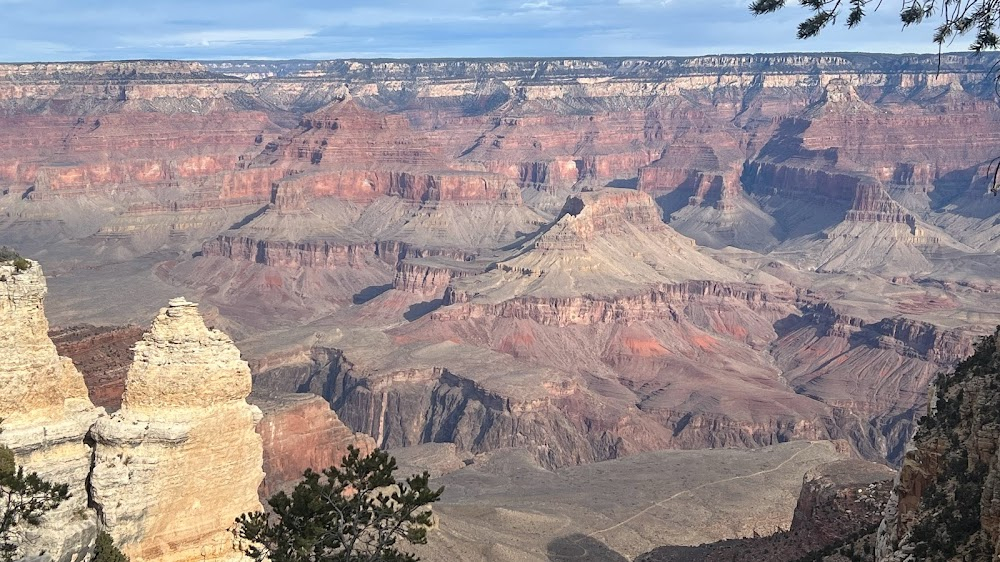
(979, 18)
(355, 513)
(24, 499)
(106, 551)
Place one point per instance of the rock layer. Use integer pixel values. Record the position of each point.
(46, 414)
(180, 461)
(384, 204)
(300, 432)
(103, 355)
(944, 504)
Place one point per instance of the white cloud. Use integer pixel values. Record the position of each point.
(644, 2)
(224, 37)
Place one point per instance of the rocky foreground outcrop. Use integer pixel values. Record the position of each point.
(46, 414)
(945, 505)
(168, 473)
(181, 460)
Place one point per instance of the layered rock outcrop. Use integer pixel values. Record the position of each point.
(46, 415)
(944, 503)
(839, 506)
(103, 354)
(181, 460)
(410, 203)
(300, 432)
(887, 364)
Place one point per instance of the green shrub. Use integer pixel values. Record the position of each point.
(358, 511)
(106, 551)
(26, 498)
(7, 255)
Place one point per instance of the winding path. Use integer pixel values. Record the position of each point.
(706, 484)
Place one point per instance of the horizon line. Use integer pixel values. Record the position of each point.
(986, 54)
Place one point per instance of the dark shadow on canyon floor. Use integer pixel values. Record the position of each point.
(421, 308)
(581, 548)
(369, 293)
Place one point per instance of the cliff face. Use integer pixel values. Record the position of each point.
(561, 425)
(184, 437)
(103, 355)
(46, 414)
(539, 215)
(888, 364)
(300, 431)
(943, 505)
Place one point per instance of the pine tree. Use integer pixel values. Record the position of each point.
(979, 18)
(106, 551)
(24, 499)
(355, 513)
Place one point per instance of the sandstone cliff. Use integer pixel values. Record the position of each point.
(46, 413)
(180, 460)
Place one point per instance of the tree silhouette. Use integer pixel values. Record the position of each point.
(956, 17)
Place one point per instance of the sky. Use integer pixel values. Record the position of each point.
(65, 30)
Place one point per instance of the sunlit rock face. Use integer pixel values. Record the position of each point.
(301, 431)
(46, 414)
(181, 460)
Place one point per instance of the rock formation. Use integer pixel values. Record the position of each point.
(180, 461)
(300, 431)
(944, 504)
(46, 414)
(413, 203)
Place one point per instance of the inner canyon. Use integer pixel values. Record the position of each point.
(491, 268)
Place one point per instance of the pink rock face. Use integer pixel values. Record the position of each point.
(134, 150)
(287, 254)
(300, 432)
(366, 185)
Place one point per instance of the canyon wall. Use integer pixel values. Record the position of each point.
(684, 252)
(103, 354)
(943, 505)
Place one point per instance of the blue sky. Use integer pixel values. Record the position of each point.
(48, 30)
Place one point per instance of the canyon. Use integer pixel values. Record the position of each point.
(581, 259)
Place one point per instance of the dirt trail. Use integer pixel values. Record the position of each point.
(593, 534)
